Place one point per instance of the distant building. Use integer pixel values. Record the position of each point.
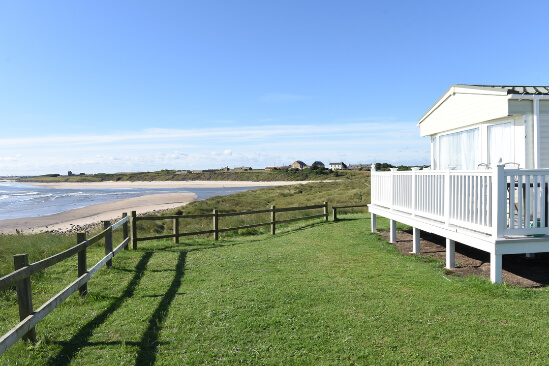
(318, 164)
(360, 166)
(270, 167)
(70, 174)
(225, 169)
(338, 166)
(242, 168)
(298, 164)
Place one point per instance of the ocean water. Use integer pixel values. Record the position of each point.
(18, 200)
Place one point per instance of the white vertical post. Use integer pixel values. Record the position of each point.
(373, 185)
(393, 185)
(495, 267)
(499, 200)
(373, 218)
(414, 190)
(392, 231)
(415, 242)
(450, 254)
(447, 197)
(537, 134)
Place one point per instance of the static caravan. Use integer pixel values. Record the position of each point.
(488, 186)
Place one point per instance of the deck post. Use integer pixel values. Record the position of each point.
(499, 199)
(373, 217)
(392, 189)
(447, 198)
(450, 254)
(414, 189)
(392, 231)
(495, 267)
(415, 242)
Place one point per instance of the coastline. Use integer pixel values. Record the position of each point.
(86, 218)
(164, 184)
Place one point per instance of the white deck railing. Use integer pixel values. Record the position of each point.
(497, 202)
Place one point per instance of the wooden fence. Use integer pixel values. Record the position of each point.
(215, 216)
(23, 270)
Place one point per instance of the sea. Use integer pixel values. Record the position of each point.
(19, 200)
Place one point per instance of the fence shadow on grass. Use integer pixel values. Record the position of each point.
(149, 342)
(80, 339)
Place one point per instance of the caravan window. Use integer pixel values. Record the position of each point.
(459, 149)
(500, 144)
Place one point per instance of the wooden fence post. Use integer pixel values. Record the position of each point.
(133, 232)
(325, 211)
(176, 230)
(24, 294)
(82, 263)
(108, 241)
(215, 224)
(334, 212)
(273, 220)
(125, 231)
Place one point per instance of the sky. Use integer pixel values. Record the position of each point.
(119, 86)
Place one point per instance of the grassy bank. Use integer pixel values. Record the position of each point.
(318, 293)
(173, 175)
(356, 190)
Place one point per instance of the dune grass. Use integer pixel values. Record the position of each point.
(356, 190)
(316, 293)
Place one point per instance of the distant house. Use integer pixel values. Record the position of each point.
(337, 166)
(360, 166)
(270, 167)
(318, 164)
(225, 169)
(70, 174)
(242, 169)
(298, 164)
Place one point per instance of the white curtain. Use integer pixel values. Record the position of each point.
(460, 150)
(499, 144)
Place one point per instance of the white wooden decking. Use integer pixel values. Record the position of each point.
(491, 210)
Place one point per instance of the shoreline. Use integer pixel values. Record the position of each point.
(90, 217)
(165, 184)
(85, 218)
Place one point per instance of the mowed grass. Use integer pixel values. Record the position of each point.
(317, 293)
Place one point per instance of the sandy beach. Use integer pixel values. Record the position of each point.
(80, 219)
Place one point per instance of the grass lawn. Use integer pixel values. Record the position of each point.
(319, 293)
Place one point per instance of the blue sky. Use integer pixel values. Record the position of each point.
(108, 86)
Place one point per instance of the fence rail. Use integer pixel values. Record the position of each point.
(28, 317)
(215, 215)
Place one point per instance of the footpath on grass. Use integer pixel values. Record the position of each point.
(320, 293)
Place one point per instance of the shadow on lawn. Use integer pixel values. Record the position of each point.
(80, 339)
(149, 341)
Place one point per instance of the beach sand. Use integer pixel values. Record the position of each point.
(83, 218)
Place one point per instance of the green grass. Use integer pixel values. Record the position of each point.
(317, 293)
(356, 190)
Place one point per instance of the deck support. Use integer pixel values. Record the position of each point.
(530, 255)
(450, 254)
(495, 267)
(415, 242)
(392, 231)
(373, 222)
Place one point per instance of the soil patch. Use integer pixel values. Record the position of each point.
(518, 270)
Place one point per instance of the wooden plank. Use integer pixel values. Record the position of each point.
(171, 235)
(301, 218)
(228, 214)
(171, 217)
(124, 245)
(9, 339)
(120, 223)
(289, 209)
(351, 206)
(10, 279)
(244, 227)
(96, 238)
